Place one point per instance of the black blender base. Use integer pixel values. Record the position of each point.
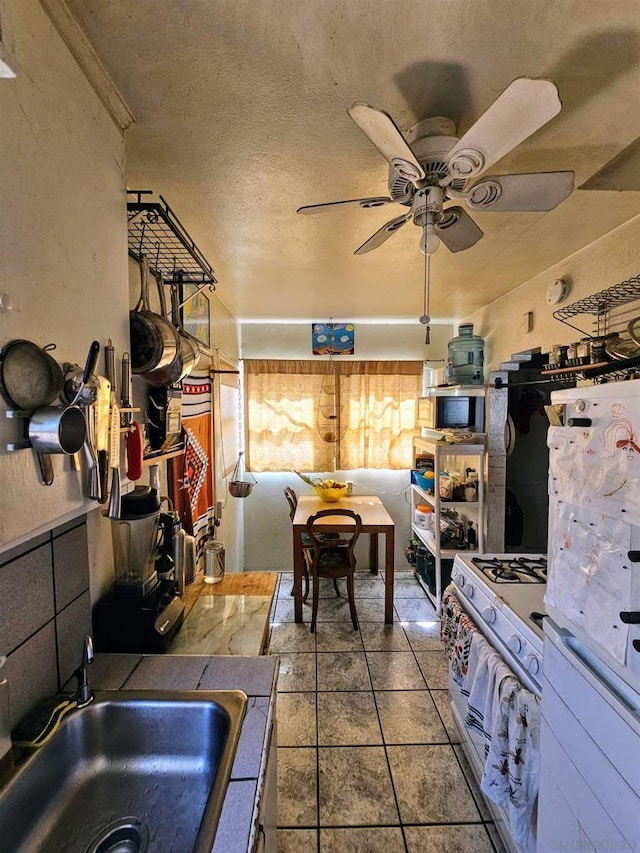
(143, 625)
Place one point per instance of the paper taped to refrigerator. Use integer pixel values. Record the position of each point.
(590, 580)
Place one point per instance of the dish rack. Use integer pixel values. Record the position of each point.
(610, 312)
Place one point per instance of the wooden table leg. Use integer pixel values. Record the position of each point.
(389, 542)
(373, 553)
(298, 557)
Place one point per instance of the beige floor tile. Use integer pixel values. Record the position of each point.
(355, 787)
(448, 839)
(297, 672)
(415, 609)
(378, 637)
(297, 841)
(478, 796)
(435, 668)
(370, 609)
(394, 671)
(430, 786)
(343, 671)
(297, 787)
(407, 587)
(291, 637)
(296, 713)
(424, 636)
(409, 716)
(332, 610)
(338, 637)
(375, 839)
(443, 704)
(368, 586)
(284, 611)
(348, 719)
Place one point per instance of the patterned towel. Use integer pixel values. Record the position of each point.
(511, 770)
(456, 632)
(485, 674)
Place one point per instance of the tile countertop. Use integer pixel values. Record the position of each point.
(256, 676)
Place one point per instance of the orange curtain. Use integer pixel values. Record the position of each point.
(375, 404)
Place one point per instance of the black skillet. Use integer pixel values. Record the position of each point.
(29, 377)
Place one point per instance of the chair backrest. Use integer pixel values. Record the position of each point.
(317, 532)
(292, 500)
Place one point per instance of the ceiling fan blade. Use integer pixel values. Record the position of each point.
(383, 234)
(534, 191)
(524, 107)
(385, 135)
(376, 201)
(457, 230)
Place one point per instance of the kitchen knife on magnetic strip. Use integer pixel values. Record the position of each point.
(102, 436)
(114, 459)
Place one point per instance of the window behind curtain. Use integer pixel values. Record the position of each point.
(377, 401)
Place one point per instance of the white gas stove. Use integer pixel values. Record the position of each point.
(504, 596)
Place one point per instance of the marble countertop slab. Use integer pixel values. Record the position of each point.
(224, 625)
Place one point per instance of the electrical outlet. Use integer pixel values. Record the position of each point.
(526, 322)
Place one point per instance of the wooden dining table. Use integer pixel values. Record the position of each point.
(375, 520)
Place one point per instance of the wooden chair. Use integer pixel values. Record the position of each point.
(292, 500)
(325, 559)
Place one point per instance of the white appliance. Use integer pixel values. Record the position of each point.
(589, 796)
(503, 595)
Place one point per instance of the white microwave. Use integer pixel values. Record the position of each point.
(451, 409)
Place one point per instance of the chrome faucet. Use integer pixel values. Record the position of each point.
(84, 694)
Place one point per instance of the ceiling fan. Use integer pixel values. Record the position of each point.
(430, 166)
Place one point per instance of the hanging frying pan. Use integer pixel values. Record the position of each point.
(29, 377)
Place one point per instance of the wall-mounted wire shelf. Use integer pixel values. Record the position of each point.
(156, 232)
(600, 305)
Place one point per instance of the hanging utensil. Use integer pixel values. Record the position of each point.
(125, 389)
(134, 450)
(102, 436)
(114, 459)
(154, 341)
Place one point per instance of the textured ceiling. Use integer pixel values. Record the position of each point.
(241, 118)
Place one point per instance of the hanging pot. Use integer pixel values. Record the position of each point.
(154, 340)
(187, 354)
(239, 488)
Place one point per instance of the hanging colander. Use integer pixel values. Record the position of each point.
(239, 488)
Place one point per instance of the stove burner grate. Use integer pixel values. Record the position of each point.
(513, 569)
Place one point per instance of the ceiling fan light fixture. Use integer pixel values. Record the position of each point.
(429, 242)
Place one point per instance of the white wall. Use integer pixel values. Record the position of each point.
(64, 242)
(267, 539)
(612, 259)
(372, 340)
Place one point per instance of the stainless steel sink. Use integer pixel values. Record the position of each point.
(131, 772)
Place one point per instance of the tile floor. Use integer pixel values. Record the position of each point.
(368, 756)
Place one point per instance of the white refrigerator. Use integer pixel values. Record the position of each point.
(590, 737)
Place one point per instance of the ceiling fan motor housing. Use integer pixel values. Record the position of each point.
(430, 140)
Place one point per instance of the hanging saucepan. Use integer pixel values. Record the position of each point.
(154, 341)
(31, 380)
(186, 356)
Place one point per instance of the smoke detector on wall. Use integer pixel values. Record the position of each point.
(556, 292)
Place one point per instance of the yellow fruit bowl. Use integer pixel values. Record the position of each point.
(331, 494)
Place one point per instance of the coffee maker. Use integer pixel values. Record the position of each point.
(143, 610)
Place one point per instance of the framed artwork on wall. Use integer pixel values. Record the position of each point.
(332, 338)
(195, 313)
